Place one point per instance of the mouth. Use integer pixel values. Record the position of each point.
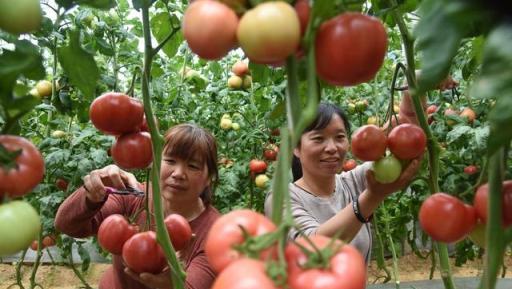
(176, 187)
(330, 160)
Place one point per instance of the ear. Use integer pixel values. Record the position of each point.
(296, 152)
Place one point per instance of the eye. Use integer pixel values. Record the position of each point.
(341, 136)
(194, 165)
(170, 161)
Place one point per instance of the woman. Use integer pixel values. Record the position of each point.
(324, 202)
(187, 180)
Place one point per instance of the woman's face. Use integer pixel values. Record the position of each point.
(182, 180)
(321, 152)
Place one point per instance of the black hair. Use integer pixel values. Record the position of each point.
(324, 115)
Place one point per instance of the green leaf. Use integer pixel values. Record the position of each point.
(79, 65)
(162, 25)
(500, 118)
(278, 111)
(100, 4)
(457, 132)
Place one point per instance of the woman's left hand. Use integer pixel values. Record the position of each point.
(384, 190)
(156, 281)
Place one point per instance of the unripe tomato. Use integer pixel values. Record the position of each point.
(349, 165)
(407, 141)
(240, 68)
(20, 16)
(369, 143)
(257, 166)
(44, 88)
(468, 114)
(247, 83)
(142, 253)
(235, 126)
(58, 134)
(133, 150)
(116, 113)
(179, 231)
(470, 170)
(19, 226)
(477, 236)
(113, 232)
(387, 169)
(226, 123)
(350, 49)
(235, 82)
(210, 29)
(448, 112)
(361, 105)
(261, 181)
(372, 120)
(270, 32)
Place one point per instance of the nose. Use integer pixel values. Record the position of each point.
(179, 171)
(330, 146)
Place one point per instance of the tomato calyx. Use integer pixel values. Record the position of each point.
(8, 158)
(318, 258)
(253, 245)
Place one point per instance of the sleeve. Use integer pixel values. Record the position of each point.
(200, 275)
(79, 218)
(356, 178)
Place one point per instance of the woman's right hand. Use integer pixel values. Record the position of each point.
(109, 176)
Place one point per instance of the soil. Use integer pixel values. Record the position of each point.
(410, 268)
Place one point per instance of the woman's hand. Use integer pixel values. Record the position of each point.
(384, 190)
(155, 281)
(111, 176)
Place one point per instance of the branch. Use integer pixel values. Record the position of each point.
(161, 45)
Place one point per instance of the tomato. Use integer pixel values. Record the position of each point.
(257, 166)
(275, 132)
(449, 112)
(133, 150)
(447, 83)
(261, 181)
(346, 269)
(144, 126)
(113, 232)
(209, 28)
(468, 114)
(49, 241)
(226, 123)
(361, 105)
(235, 82)
(407, 141)
(303, 11)
(431, 109)
(445, 218)
(142, 253)
(471, 170)
(477, 236)
(179, 231)
(21, 16)
(349, 165)
(235, 126)
(35, 245)
(240, 68)
(270, 154)
(116, 113)
(350, 49)
(227, 232)
(26, 171)
(62, 184)
(44, 88)
(372, 120)
(19, 226)
(58, 134)
(244, 273)
(387, 169)
(369, 143)
(247, 82)
(270, 32)
(480, 202)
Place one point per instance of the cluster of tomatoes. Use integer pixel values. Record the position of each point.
(140, 250)
(241, 78)
(123, 116)
(271, 31)
(242, 248)
(448, 219)
(405, 142)
(21, 170)
(257, 169)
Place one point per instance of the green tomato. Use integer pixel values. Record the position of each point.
(20, 16)
(387, 169)
(478, 235)
(19, 226)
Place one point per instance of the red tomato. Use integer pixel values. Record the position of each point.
(407, 141)
(270, 32)
(468, 114)
(49, 241)
(303, 10)
(240, 68)
(142, 253)
(210, 29)
(26, 171)
(471, 170)
(431, 109)
(226, 233)
(113, 232)
(179, 231)
(480, 202)
(270, 154)
(257, 166)
(369, 143)
(116, 113)
(446, 218)
(62, 184)
(244, 273)
(133, 150)
(349, 165)
(144, 126)
(275, 132)
(350, 49)
(346, 268)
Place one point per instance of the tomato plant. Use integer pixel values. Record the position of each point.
(142, 253)
(481, 200)
(179, 231)
(257, 166)
(446, 218)
(229, 231)
(210, 29)
(21, 16)
(407, 141)
(387, 169)
(133, 150)
(350, 49)
(19, 226)
(20, 175)
(244, 273)
(113, 232)
(369, 143)
(270, 32)
(116, 113)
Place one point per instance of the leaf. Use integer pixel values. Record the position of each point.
(500, 119)
(457, 132)
(79, 65)
(481, 136)
(278, 111)
(100, 4)
(162, 25)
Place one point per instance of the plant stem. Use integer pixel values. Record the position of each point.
(387, 231)
(380, 254)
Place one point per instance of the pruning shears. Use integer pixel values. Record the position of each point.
(128, 191)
